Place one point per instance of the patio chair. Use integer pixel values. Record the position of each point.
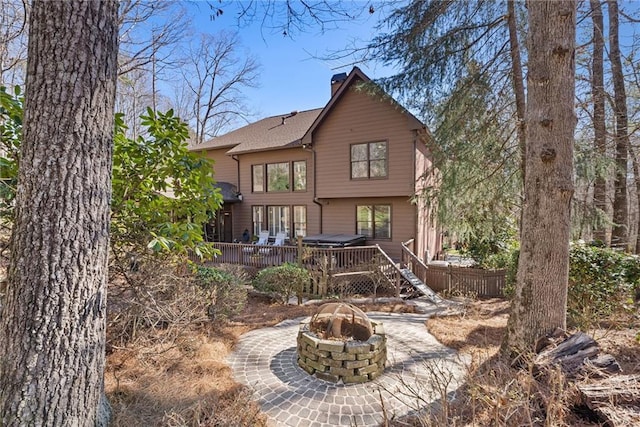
(263, 239)
(279, 241)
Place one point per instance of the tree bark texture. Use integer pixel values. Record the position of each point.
(539, 305)
(620, 231)
(52, 330)
(599, 123)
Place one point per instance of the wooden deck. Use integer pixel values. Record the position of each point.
(332, 265)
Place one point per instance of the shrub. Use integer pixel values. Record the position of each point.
(601, 283)
(284, 280)
(225, 291)
(512, 274)
(492, 251)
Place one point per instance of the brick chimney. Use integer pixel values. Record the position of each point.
(336, 81)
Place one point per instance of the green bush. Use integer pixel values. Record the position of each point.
(493, 251)
(601, 283)
(512, 273)
(225, 292)
(284, 280)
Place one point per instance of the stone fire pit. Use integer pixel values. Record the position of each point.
(341, 344)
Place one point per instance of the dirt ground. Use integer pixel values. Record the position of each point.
(165, 384)
(178, 376)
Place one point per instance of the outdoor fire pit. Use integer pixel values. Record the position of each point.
(340, 343)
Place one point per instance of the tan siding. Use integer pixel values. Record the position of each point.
(242, 211)
(225, 167)
(428, 241)
(359, 118)
(339, 216)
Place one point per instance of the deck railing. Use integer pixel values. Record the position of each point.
(329, 266)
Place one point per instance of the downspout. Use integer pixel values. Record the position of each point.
(315, 198)
(235, 157)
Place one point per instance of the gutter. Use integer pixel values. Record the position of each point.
(315, 198)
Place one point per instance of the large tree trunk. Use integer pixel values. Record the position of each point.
(599, 124)
(539, 304)
(52, 330)
(620, 232)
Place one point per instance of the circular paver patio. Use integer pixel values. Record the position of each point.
(418, 369)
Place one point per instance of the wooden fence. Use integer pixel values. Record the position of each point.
(466, 280)
(452, 278)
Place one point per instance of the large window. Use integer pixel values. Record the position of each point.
(279, 219)
(300, 220)
(369, 160)
(257, 178)
(278, 177)
(300, 176)
(258, 219)
(374, 221)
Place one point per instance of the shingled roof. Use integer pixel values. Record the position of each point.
(281, 131)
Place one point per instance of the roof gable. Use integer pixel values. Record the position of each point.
(356, 75)
(295, 128)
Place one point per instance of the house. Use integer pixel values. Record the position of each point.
(350, 168)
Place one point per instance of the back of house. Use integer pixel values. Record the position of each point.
(345, 173)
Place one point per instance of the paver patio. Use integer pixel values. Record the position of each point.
(265, 360)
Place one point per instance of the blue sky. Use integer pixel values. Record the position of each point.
(290, 78)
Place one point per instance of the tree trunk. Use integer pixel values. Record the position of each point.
(599, 126)
(620, 232)
(52, 328)
(539, 304)
(518, 83)
(636, 179)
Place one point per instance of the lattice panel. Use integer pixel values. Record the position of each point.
(352, 284)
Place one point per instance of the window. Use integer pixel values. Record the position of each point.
(300, 221)
(279, 219)
(258, 219)
(369, 160)
(300, 176)
(374, 221)
(278, 177)
(257, 178)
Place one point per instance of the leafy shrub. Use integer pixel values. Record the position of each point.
(492, 251)
(284, 280)
(225, 292)
(601, 283)
(512, 274)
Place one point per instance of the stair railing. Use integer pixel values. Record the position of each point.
(412, 262)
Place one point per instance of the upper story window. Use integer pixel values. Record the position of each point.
(257, 178)
(374, 221)
(278, 178)
(300, 176)
(369, 160)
